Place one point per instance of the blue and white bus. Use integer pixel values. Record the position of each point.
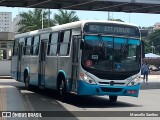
(90, 57)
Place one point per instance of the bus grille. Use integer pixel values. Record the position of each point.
(109, 82)
(111, 89)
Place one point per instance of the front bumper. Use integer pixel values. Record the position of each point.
(88, 89)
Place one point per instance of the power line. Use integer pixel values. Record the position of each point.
(78, 4)
(140, 8)
(39, 3)
(96, 9)
(110, 6)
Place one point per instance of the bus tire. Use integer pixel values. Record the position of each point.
(62, 90)
(112, 98)
(26, 80)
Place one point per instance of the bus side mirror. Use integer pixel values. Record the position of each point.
(142, 49)
(82, 44)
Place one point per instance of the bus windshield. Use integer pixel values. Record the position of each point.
(108, 53)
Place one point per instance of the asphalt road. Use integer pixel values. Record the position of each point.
(46, 100)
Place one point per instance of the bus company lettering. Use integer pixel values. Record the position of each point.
(116, 29)
(144, 114)
(109, 29)
(34, 115)
(27, 114)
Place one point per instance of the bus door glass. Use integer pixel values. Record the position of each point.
(19, 60)
(42, 58)
(75, 50)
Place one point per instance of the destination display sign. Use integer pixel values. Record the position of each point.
(116, 29)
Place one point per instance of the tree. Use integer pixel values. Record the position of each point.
(119, 20)
(154, 40)
(65, 16)
(32, 20)
(145, 32)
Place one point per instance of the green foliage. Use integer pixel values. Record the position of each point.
(65, 16)
(154, 39)
(119, 20)
(32, 20)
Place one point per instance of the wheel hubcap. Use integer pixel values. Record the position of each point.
(61, 87)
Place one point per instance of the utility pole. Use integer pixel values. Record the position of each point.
(129, 17)
(42, 18)
(48, 17)
(108, 15)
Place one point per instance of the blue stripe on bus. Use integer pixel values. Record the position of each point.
(116, 40)
(88, 37)
(120, 40)
(134, 41)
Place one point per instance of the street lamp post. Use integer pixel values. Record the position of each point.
(153, 48)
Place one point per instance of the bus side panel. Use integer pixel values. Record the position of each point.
(65, 64)
(14, 67)
(51, 72)
(34, 62)
(24, 64)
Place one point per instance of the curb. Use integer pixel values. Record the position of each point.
(6, 77)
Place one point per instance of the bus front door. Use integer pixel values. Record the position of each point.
(42, 59)
(75, 60)
(19, 61)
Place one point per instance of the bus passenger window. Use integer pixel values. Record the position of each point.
(53, 49)
(15, 48)
(35, 46)
(65, 45)
(28, 46)
(52, 46)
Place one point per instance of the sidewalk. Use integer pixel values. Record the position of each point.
(5, 77)
(152, 78)
(10, 97)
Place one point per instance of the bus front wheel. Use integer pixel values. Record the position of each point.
(113, 98)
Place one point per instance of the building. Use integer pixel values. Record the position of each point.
(6, 43)
(15, 22)
(157, 26)
(5, 21)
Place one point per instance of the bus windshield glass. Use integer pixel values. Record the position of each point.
(108, 53)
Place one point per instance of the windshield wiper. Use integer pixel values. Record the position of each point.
(125, 45)
(101, 41)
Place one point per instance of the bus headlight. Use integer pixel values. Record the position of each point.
(87, 79)
(134, 81)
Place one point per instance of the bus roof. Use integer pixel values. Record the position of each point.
(68, 26)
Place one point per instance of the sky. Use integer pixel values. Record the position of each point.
(139, 19)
